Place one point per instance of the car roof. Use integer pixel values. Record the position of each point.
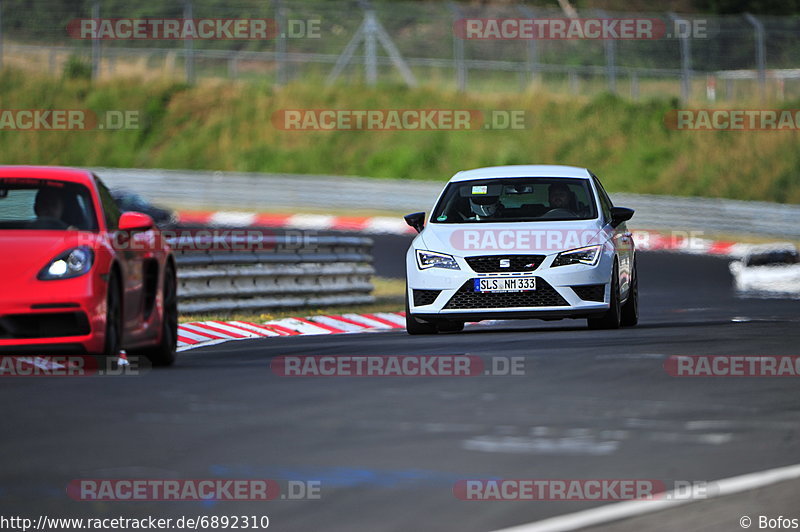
(56, 173)
(522, 170)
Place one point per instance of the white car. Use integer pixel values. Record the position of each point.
(768, 268)
(527, 241)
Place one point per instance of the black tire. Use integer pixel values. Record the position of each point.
(113, 341)
(630, 310)
(451, 326)
(165, 353)
(415, 326)
(611, 319)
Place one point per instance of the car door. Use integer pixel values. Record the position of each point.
(621, 238)
(130, 257)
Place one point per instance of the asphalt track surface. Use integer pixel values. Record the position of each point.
(388, 451)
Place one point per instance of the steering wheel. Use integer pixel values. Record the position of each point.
(559, 213)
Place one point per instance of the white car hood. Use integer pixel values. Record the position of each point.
(510, 238)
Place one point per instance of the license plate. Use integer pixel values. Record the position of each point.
(505, 284)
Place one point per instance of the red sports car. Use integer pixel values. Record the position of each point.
(76, 274)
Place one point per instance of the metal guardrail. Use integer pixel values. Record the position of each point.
(286, 192)
(237, 274)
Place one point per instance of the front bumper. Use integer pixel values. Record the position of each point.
(574, 291)
(65, 316)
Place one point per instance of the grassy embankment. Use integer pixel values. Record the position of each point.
(227, 126)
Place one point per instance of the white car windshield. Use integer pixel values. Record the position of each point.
(520, 199)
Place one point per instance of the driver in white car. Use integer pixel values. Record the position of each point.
(484, 207)
(560, 197)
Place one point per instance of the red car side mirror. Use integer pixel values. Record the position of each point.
(135, 221)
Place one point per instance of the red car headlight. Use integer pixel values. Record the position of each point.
(72, 263)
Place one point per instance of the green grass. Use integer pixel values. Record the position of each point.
(227, 126)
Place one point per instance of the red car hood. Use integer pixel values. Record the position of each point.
(23, 254)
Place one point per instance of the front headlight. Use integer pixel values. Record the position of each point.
(431, 259)
(72, 263)
(588, 255)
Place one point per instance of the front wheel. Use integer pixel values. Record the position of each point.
(611, 319)
(630, 310)
(113, 337)
(165, 352)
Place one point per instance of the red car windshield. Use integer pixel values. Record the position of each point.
(45, 205)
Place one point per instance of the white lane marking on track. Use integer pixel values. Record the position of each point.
(624, 510)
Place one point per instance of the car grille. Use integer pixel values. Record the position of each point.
(44, 325)
(516, 263)
(544, 296)
(425, 297)
(591, 292)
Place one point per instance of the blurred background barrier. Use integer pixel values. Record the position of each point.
(725, 57)
(255, 271)
(341, 194)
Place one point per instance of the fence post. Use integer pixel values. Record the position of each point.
(95, 42)
(761, 54)
(280, 43)
(188, 45)
(611, 67)
(370, 49)
(686, 60)
(532, 55)
(458, 50)
(1, 34)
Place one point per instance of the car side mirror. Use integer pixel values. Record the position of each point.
(620, 214)
(416, 220)
(135, 221)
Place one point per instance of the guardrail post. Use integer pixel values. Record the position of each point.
(95, 43)
(761, 54)
(188, 45)
(686, 60)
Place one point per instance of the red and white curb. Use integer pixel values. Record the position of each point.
(204, 333)
(317, 222)
(646, 240)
